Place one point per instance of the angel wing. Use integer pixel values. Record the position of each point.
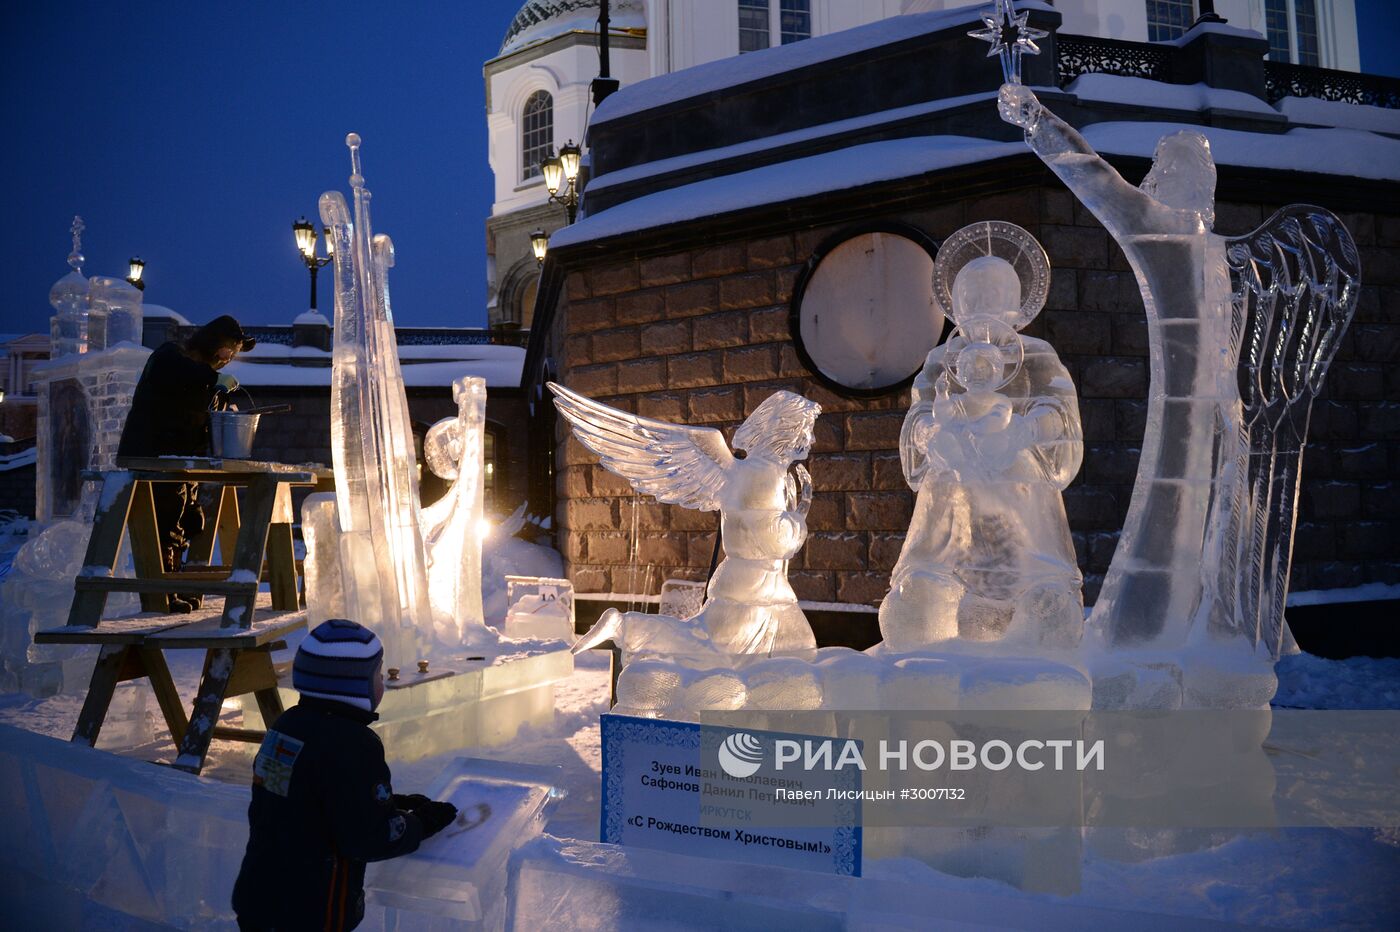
(1295, 285)
(678, 465)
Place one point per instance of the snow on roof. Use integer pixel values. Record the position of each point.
(1143, 92)
(705, 156)
(1222, 28)
(1326, 151)
(16, 460)
(541, 20)
(766, 63)
(160, 310)
(312, 317)
(1338, 113)
(499, 365)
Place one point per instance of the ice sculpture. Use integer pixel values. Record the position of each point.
(992, 437)
(762, 501)
(382, 559)
(452, 525)
(69, 296)
(1241, 332)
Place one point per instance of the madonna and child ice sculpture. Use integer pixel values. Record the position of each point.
(991, 439)
(1241, 331)
(762, 500)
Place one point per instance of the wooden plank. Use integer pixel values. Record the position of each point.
(185, 464)
(252, 671)
(209, 701)
(114, 502)
(269, 705)
(213, 574)
(166, 695)
(144, 532)
(229, 733)
(228, 525)
(248, 552)
(281, 567)
(202, 547)
(208, 634)
(195, 586)
(105, 675)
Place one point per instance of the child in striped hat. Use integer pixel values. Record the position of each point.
(323, 804)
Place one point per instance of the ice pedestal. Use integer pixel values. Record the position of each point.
(839, 679)
(460, 874)
(540, 607)
(573, 885)
(465, 700)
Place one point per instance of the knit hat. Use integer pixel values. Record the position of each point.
(338, 661)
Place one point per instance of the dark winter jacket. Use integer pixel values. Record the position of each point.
(322, 807)
(170, 409)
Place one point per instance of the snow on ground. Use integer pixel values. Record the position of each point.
(1308, 682)
(1292, 878)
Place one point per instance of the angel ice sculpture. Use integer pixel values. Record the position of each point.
(1241, 333)
(750, 608)
(992, 437)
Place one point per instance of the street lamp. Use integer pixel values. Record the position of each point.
(135, 268)
(304, 231)
(561, 172)
(539, 242)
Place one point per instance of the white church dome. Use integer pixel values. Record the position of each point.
(539, 20)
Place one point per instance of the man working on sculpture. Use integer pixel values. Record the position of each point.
(323, 804)
(170, 416)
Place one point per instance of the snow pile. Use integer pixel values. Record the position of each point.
(1146, 93)
(1309, 682)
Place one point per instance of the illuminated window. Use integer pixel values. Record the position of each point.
(489, 467)
(1169, 19)
(536, 133)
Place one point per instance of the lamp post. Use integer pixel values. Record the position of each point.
(561, 172)
(539, 242)
(135, 269)
(305, 233)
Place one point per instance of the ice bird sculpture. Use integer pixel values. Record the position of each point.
(1241, 332)
(762, 500)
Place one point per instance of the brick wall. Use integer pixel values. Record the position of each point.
(701, 337)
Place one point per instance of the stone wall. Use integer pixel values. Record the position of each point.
(701, 336)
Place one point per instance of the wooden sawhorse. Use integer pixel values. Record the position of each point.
(238, 658)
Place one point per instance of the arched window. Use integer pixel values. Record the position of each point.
(536, 133)
(525, 313)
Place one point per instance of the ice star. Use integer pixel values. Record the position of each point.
(1006, 32)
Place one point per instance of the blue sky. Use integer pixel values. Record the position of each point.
(194, 133)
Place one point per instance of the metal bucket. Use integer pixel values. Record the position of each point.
(231, 433)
